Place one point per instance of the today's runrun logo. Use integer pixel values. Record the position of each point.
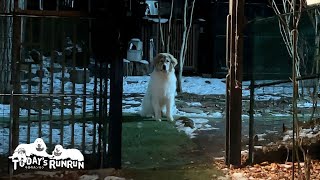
(35, 156)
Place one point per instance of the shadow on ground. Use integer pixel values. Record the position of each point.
(157, 150)
(150, 150)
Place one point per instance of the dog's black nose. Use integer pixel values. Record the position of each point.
(164, 67)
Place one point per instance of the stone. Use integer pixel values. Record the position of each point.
(114, 178)
(89, 177)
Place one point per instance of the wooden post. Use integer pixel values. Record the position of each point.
(235, 47)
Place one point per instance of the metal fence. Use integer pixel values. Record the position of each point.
(268, 97)
(53, 88)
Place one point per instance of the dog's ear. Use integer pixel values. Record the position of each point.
(157, 59)
(174, 61)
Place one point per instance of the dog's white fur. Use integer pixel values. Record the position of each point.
(38, 148)
(161, 89)
(60, 153)
(41, 148)
(20, 154)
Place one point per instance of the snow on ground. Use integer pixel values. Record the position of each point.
(45, 130)
(303, 133)
(135, 85)
(138, 85)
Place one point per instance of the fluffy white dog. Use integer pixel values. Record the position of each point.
(161, 89)
(41, 148)
(38, 148)
(20, 154)
(60, 153)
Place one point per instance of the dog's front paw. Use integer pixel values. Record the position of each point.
(170, 118)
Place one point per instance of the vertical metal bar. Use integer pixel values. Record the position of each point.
(94, 93)
(62, 79)
(73, 83)
(115, 114)
(16, 54)
(101, 114)
(29, 103)
(41, 74)
(251, 122)
(84, 101)
(10, 168)
(227, 124)
(105, 115)
(232, 76)
(294, 34)
(235, 109)
(29, 81)
(31, 29)
(51, 77)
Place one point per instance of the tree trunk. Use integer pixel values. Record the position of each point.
(179, 79)
(181, 59)
(184, 45)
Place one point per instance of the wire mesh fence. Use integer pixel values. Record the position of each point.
(270, 70)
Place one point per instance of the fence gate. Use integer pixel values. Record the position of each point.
(51, 87)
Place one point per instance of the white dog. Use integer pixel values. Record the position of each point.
(161, 89)
(20, 154)
(38, 148)
(41, 148)
(60, 153)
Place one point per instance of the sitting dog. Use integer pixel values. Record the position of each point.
(161, 88)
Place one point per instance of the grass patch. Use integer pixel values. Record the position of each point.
(200, 172)
(153, 144)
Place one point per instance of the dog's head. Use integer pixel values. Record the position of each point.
(165, 62)
(57, 150)
(22, 154)
(40, 145)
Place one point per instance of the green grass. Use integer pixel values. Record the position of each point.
(153, 144)
(185, 173)
(157, 150)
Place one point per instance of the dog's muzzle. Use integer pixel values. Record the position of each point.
(57, 153)
(39, 149)
(164, 67)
